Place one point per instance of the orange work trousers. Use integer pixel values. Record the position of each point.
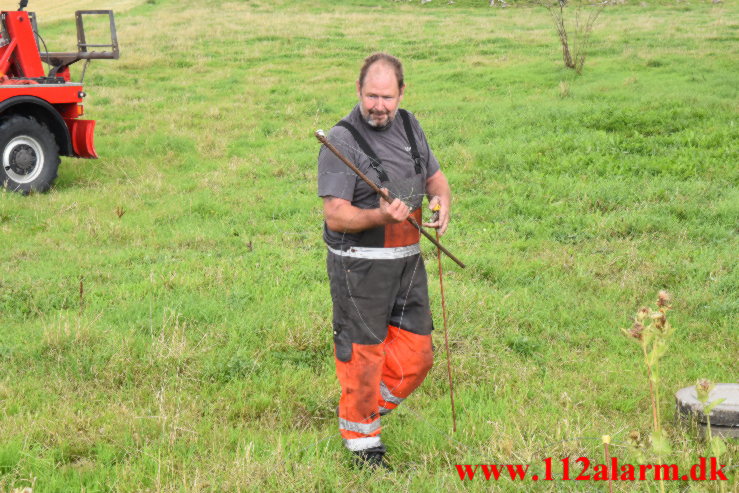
(376, 380)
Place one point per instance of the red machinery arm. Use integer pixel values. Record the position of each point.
(20, 57)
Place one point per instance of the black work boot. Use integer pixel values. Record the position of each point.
(371, 459)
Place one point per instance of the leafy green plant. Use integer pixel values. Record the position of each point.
(703, 388)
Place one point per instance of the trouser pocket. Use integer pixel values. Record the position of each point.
(343, 343)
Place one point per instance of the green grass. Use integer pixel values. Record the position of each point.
(202, 356)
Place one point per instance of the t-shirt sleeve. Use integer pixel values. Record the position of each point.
(432, 164)
(334, 177)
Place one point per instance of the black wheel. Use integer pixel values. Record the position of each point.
(29, 156)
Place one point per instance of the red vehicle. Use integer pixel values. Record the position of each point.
(40, 112)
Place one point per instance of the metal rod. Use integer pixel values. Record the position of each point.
(322, 138)
(446, 339)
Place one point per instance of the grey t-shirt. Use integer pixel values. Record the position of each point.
(391, 146)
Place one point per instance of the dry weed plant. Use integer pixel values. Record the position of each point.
(575, 42)
(653, 339)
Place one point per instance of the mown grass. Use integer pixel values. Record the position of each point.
(202, 358)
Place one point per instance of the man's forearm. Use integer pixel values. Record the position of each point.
(346, 218)
(438, 186)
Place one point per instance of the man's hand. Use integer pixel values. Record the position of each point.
(395, 211)
(440, 219)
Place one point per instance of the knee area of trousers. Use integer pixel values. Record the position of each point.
(425, 360)
(429, 360)
(361, 393)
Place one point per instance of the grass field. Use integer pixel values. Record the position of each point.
(200, 355)
(63, 10)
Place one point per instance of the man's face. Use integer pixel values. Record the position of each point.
(380, 96)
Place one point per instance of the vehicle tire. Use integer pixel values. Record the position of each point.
(29, 156)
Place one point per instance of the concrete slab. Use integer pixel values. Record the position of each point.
(724, 417)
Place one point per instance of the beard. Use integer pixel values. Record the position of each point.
(372, 115)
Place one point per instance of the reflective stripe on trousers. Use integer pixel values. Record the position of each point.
(365, 428)
(388, 396)
(358, 444)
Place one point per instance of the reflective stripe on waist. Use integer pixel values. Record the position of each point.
(378, 253)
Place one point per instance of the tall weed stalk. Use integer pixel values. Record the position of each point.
(653, 331)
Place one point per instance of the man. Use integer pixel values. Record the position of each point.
(381, 316)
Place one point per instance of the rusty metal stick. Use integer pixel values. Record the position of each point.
(446, 339)
(322, 138)
(606, 442)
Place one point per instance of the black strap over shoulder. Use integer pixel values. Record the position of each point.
(411, 139)
(374, 160)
